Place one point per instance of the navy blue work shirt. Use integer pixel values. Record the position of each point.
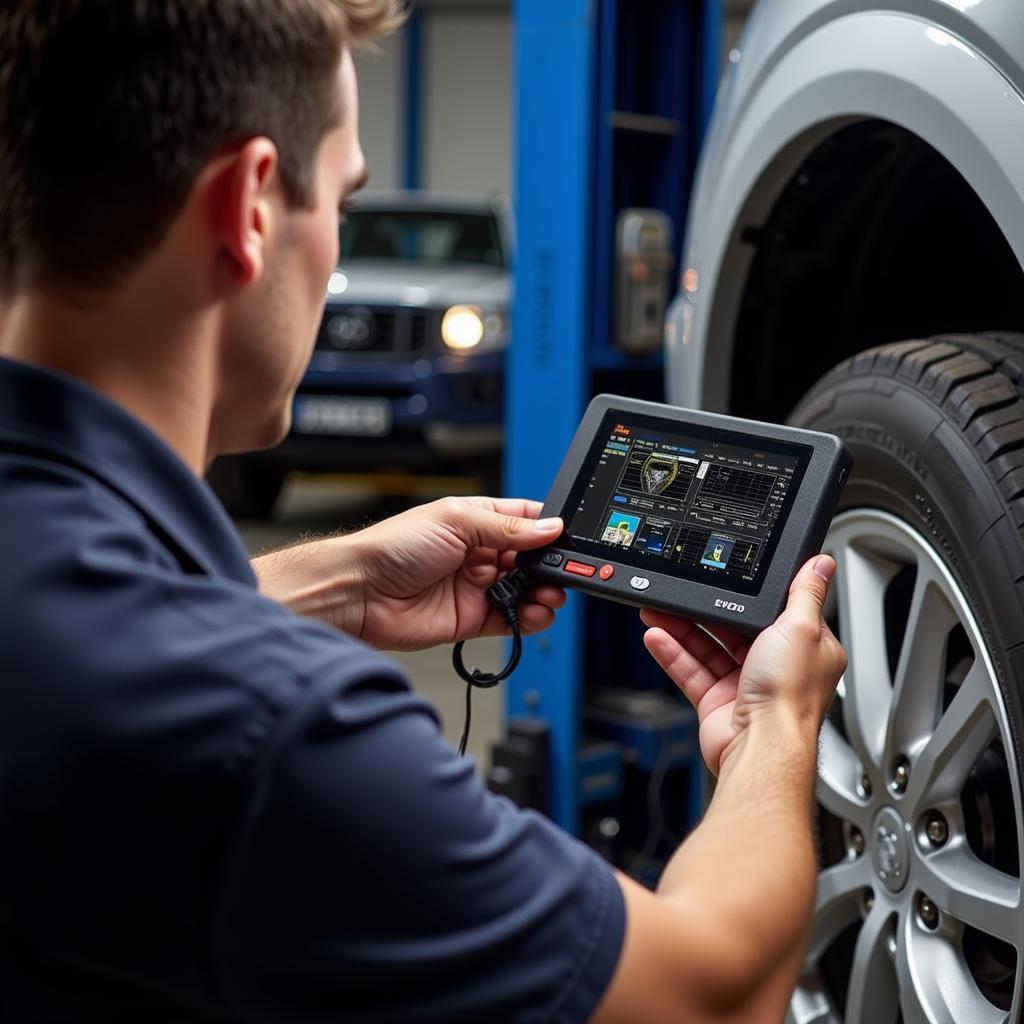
(214, 810)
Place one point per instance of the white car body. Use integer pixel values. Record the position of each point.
(949, 71)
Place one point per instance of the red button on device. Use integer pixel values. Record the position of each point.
(607, 571)
(580, 568)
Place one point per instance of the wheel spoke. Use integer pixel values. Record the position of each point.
(935, 985)
(837, 904)
(862, 580)
(838, 769)
(908, 976)
(873, 994)
(972, 892)
(920, 674)
(964, 731)
(810, 1004)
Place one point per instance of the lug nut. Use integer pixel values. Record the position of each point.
(936, 829)
(867, 901)
(864, 785)
(856, 842)
(900, 776)
(928, 912)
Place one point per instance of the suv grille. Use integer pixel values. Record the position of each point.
(361, 330)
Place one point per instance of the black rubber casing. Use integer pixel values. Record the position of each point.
(803, 530)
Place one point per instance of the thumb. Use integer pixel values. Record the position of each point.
(809, 588)
(510, 532)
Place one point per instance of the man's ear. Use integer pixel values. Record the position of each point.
(242, 196)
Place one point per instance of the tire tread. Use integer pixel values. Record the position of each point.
(977, 380)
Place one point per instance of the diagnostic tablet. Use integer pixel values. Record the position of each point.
(693, 513)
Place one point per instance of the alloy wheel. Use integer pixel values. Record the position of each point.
(918, 910)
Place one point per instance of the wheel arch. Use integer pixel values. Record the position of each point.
(872, 72)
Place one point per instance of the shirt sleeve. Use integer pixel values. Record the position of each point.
(376, 878)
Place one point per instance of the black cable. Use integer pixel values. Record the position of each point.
(505, 595)
(658, 828)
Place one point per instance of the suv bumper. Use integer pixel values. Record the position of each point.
(442, 409)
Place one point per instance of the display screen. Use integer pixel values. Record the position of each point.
(699, 503)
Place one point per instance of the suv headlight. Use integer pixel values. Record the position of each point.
(472, 329)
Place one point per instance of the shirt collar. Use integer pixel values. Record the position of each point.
(57, 416)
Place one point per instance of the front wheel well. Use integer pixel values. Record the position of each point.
(875, 238)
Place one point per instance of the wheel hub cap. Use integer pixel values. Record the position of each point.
(890, 850)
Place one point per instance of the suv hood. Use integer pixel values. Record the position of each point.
(387, 282)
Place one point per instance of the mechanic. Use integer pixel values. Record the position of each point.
(218, 801)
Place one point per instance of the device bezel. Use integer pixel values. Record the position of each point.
(801, 535)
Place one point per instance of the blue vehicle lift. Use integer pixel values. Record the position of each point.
(612, 100)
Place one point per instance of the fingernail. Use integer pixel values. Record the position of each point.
(824, 567)
(547, 525)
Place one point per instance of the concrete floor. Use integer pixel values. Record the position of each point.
(319, 505)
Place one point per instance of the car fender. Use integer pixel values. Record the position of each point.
(887, 65)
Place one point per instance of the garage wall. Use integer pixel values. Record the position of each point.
(380, 112)
(467, 116)
(467, 96)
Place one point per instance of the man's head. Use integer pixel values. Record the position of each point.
(128, 124)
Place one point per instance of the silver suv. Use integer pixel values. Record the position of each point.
(853, 262)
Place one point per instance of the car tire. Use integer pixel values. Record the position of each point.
(918, 910)
(246, 491)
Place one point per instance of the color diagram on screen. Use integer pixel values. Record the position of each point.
(701, 504)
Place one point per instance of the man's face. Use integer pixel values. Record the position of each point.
(271, 340)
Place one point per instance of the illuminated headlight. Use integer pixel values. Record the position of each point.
(462, 327)
(468, 328)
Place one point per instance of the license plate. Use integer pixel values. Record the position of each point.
(356, 417)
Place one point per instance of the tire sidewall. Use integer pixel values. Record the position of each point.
(913, 461)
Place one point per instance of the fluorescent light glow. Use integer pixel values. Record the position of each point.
(336, 283)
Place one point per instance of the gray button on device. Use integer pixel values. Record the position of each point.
(639, 582)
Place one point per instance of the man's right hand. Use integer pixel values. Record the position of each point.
(792, 668)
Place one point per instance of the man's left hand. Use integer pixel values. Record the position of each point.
(420, 578)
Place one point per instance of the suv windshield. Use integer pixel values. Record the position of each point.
(421, 236)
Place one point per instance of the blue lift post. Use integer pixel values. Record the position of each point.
(412, 137)
(612, 100)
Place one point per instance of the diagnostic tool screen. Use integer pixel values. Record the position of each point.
(706, 505)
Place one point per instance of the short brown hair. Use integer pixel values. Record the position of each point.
(110, 108)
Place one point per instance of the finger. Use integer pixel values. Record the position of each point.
(485, 527)
(735, 643)
(480, 564)
(718, 696)
(706, 649)
(674, 624)
(549, 596)
(524, 508)
(533, 618)
(809, 589)
(686, 671)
